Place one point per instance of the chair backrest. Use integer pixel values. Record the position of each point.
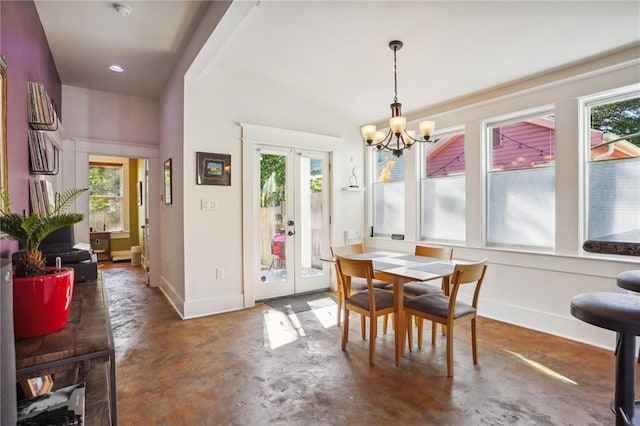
(346, 250)
(432, 251)
(362, 268)
(472, 273)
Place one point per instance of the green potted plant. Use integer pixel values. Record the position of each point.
(41, 295)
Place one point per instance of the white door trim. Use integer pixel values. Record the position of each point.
(251, 136)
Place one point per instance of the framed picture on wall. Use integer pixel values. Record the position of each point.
(213, 169)
(167, 182)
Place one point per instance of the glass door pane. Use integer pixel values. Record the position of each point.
(274, 279)
(312, 215)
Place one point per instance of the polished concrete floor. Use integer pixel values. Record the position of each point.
(225, 370)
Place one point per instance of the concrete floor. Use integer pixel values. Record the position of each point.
(221, 370)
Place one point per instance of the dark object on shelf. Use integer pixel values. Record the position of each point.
(621, 313)
(397, 236)
(63, 407)
(61, 244)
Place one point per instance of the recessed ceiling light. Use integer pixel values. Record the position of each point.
(116, 68)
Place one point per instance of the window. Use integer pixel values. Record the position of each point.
(107, 197)
(442, 189)
(612, 145)
(521, 181)
(388, 194)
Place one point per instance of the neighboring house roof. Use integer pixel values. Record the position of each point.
(525, 144)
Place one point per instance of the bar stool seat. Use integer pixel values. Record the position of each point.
(629, 280)
(618, 312)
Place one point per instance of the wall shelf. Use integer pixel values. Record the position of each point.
(353, 189)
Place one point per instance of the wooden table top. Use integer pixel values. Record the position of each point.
(86, 333)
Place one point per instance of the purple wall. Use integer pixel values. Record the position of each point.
(26, 50)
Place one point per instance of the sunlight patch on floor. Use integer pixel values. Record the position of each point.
(280, 328)
(325, 310)
(546, 370)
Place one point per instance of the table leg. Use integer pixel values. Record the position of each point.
(340, 294)
(400, 332)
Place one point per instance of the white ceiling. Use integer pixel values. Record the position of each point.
(87, 36)
(335, 53)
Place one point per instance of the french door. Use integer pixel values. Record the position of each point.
(292, 201)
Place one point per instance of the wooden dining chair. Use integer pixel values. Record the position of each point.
(419, 288)
(357, 284)
(372, 302)
(447, 310)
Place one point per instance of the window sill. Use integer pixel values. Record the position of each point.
(120, 235)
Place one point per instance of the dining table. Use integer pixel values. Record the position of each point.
(401, 268)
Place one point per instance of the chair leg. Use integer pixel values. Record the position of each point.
(340, 302)
(474, 346)
(434, 330)
(409, 332)
(345, 328)
(373, 331)
(363, 326)
(449, 351)
(419, 327)
(385, 322)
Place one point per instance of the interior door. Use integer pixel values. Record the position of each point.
(294, 221)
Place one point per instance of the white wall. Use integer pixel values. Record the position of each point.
(172, 238)
(216, 100)
(535, 289)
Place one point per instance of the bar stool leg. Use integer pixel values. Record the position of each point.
(624, 405)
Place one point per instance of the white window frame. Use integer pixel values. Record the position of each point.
(125, 206)
(487, 162)
(584, 122)
(422, 152)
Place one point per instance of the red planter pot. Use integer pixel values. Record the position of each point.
(41, 304)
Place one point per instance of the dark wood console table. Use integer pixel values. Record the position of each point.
(84, 344)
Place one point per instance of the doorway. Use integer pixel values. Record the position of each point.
(118, 209)
(294, 221)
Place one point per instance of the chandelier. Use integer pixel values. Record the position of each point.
(398, 138)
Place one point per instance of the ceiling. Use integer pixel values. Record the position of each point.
(335, 53)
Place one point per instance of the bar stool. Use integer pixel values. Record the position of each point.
(630, 280)
(618, 312)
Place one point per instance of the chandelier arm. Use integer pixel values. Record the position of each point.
(386, 139)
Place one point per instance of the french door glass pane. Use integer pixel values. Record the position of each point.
(273, 209)
(311, 215)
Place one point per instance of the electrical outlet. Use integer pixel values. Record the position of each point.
(219, 273)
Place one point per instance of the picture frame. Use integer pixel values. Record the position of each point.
(139, 192)
(213, 169)
(37, 386)
(168, 196)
